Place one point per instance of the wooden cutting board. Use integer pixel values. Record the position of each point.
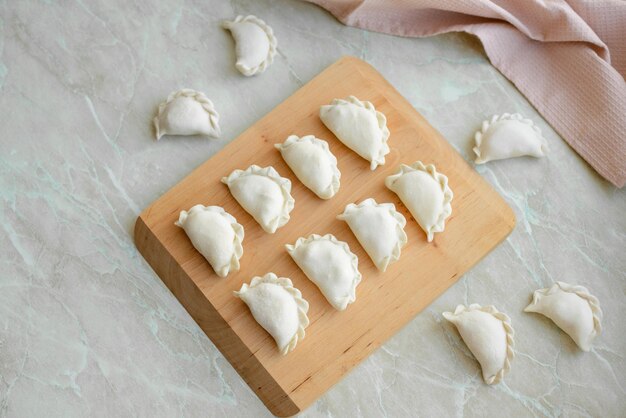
(335, 341)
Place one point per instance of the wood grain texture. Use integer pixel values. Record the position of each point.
(335, 341)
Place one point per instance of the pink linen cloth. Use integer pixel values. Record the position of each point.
(568, 57)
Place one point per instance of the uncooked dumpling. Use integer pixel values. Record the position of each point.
(187, 112)
(359, 126)
(313, 163)
(426, 194)
(489, 336)
(278, 307)
(264, 194)
(215, 234)
(255, 44)
(329, 264)
(508, 136)
(379, 229)
(572, 309)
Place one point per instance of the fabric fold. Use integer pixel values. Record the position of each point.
(559, 55)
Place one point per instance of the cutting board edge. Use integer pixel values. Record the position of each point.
(184, 288)
(280, 402)
(287, 406)
(392, 331)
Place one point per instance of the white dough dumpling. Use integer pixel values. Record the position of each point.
(216, 235)
(329, 264)
(187, 112)
(264, 194)
(426, 194)
(278, 307)
(379, 229)
(489, 336)
(359, 126)
(255, 44)
(313, 163)
(573, 309)
(508, 136)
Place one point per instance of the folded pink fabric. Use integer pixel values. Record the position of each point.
(567, 57)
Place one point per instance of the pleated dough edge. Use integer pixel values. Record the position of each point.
(199, 97)
(336, 181)
(579, 291)
(508, 329)
(284, 184)
(245, 70)
(237, 228)
(382, 125)
(443, 183)
(478, 136)
(330, 237)
(303, 305)
(401, 223)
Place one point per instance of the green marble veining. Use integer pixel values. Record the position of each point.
(88, 329)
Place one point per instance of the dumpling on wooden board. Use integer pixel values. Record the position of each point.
(329, 264)
(278, 307)
(379, 228)
(264, 194)
(313, 163)
(426, 194)
(359, 126)
(216, 235)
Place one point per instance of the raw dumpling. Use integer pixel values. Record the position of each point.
(508, 136)
(379, 228)
(278, 307)
(359, 126)
(255, 44)
(329, 264)
(313, 163)
(572, 309)
(425, 193)
(489, 336)
(215, 234)
(187, 112)
(264, 194)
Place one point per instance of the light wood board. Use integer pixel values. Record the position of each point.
(335, 341)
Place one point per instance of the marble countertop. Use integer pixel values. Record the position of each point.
(86, 326)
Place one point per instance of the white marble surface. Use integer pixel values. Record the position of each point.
(87, 328)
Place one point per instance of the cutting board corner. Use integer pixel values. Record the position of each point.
(335, 341)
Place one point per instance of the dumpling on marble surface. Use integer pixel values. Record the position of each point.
(278, 307)
(215, 234)
(313, 163)
(329, 264)
(489, 336)
(573, 309)
(187, 112)
(255, 44)
(426, 194)
(508, 136)
(359, 126)
(264, 194)
(379, 228)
